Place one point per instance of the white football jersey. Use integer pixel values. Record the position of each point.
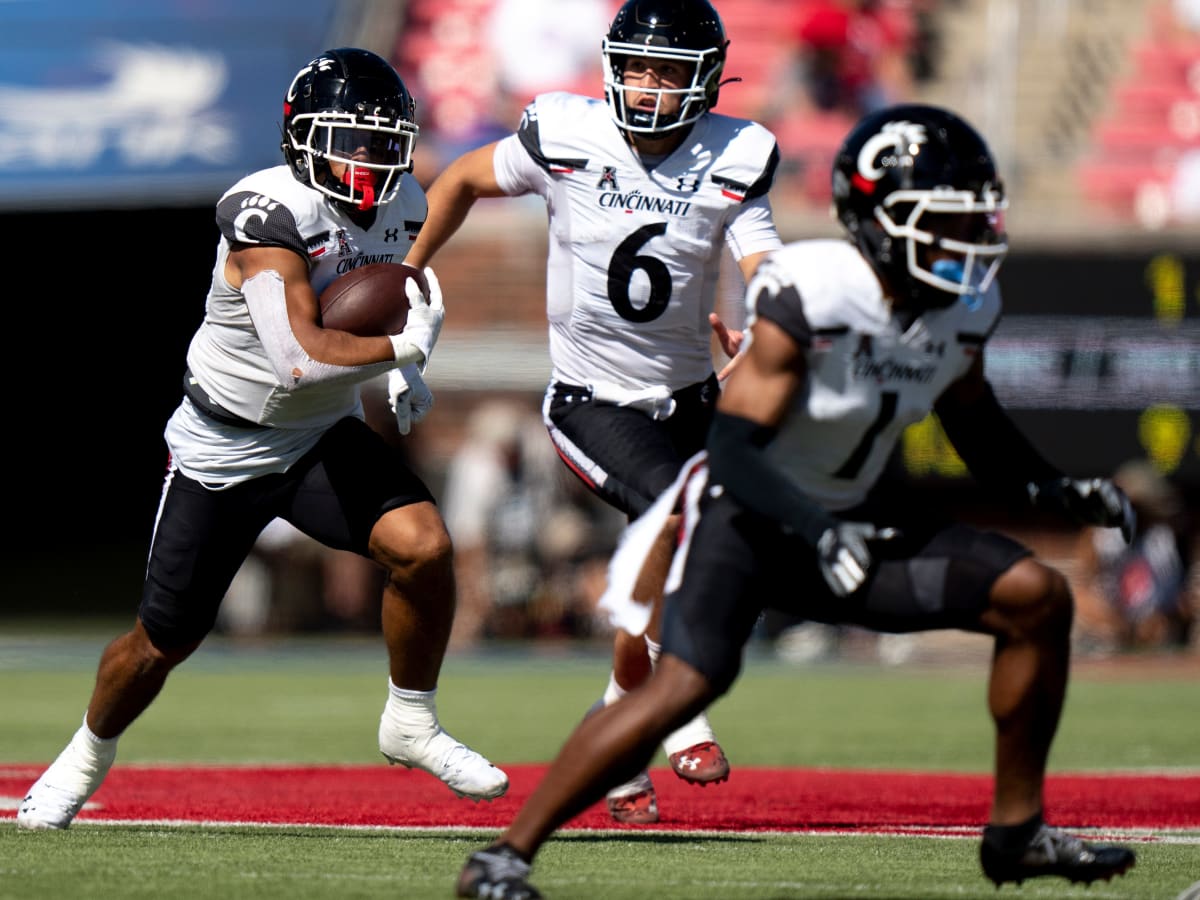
(869, 376)
(226, 356)
(634, 253)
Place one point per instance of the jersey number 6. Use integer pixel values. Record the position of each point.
(625, 262)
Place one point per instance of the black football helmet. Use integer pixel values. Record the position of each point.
(349, 106)
(686, 31)
(917, 190)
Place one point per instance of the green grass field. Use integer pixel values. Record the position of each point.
(318, 701)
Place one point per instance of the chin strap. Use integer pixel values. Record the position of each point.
(361, 180)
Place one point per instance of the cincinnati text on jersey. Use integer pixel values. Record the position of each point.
(364, 259)
(891, 370)
(636, 201)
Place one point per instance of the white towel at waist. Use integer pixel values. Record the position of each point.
(634, 546)
(656, 402)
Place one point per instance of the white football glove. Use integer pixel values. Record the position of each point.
(408, 396)
(1089, 501)
(425, 316)
(844, 556)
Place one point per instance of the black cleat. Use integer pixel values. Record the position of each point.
(1051, 852)
(496, 873)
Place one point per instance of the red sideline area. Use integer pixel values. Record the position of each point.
(752, 799)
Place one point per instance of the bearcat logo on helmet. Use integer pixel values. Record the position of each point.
(320, 64)
(895, 142)
(916, 188)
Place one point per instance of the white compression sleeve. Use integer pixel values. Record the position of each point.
(291, 363)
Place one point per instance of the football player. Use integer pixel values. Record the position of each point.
(271, 424)
(645, 191)
(848, 343)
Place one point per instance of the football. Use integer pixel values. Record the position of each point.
(370, 300)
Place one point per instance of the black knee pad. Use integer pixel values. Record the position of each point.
(174, 620)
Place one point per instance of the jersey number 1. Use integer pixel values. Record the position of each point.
(887, 411)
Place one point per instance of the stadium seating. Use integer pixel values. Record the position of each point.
(1151, 122)
(807, 144)
(444, 56)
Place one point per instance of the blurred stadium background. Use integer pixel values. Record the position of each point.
(121, 123)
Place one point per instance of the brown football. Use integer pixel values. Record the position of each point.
(370, 300)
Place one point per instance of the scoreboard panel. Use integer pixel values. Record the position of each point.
(1097, 358)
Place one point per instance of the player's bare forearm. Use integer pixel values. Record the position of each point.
(769, 374)
(450, 199)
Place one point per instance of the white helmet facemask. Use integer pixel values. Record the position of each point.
(694, 99)
(963, 266)
(346, 138)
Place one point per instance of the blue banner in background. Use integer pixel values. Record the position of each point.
(116, 103)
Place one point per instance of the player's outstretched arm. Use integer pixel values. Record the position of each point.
(985, 436)
(450, 198)
(996, 452)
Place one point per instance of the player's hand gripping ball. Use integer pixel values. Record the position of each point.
(371, 300)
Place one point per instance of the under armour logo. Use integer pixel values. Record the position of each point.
(687, 183)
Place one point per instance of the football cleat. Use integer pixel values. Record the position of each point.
(496, 873)
(57, 797)
(1051, 852)
(465, 772)
(694, 753)
(701, 764)
(634, 802)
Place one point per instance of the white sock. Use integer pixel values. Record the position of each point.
(654, 649)
(697, 731)
(96, 749)
(614, 691)
(412, 712)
